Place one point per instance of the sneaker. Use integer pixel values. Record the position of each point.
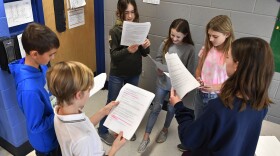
(162, 137)
(133, 138)
(181, 147)
(143, 145)
(107, 138)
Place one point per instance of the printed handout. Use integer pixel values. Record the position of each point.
(98, 84)
(159, 65)
(134, 33)
(133, 104)
(181, 79)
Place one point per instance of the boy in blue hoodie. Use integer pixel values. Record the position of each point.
(40, 44)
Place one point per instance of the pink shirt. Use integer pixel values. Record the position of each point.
(214, 67)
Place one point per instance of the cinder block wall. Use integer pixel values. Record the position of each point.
(249, 18)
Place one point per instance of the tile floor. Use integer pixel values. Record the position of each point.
(154, 149)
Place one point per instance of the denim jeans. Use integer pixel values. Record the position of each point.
(156, 108)
(114, 86)
(201, 100)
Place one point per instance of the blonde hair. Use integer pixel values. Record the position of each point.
(222, 24)
(65, 79)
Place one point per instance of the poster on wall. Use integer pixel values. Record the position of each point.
(152, 1)
(18, 12)
(274, 43)
(76, 17)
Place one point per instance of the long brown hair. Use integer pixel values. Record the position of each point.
(222, 24)
(253, 75)
(182, 26)
(122, 6)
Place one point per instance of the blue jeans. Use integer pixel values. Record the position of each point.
(201, 101)
(114, 86)
(156, 108)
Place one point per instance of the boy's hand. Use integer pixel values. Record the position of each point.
(174, 98)
(106, 110)
(133, 48)
(117, 144)
(146, 43)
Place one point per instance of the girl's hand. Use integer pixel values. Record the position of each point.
(106, 110)
(174, 98)
(146, 43)
(211, 88)
(159, 72)
(133, 48)
(200, 81)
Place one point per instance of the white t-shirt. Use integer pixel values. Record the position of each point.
(77, 136)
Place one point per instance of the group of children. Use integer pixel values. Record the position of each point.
(229, 105)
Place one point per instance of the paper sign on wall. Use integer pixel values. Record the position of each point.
(76, 17)
(18, 12)
(152, 1)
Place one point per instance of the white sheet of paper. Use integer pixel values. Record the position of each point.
(133, 104)
(152, 1)
(159, 65)
(268, 146)
(22, 51)
(134, 33)
(99, 82)
(76, 17)
(167, 74)
(18, 12)
(75, 3)
(181, 79)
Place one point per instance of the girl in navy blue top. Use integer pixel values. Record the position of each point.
(231, 123)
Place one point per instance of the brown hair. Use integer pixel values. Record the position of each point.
(122, 6)
(40, 38)
(222, 24)
(65, 79)
(182, 26)
(253, 75)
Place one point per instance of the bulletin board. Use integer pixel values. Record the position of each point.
(275, 43)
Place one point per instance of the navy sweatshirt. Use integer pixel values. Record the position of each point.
(220, 131)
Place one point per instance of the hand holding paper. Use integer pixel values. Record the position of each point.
(133, 104)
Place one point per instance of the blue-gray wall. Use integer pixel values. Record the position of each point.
(249, 18)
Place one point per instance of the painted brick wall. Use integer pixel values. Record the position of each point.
(249, 18)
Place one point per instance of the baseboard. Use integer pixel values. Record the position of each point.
(22, 150)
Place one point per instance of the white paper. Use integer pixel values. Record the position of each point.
(152, 1)
(268, 146)
(73, 4)
(133, 104)
(134, 33)
(99, 82)
(76, 17)
(18, 12)
(22, 51)
(181, 79)
(159, 65)
(167, 74)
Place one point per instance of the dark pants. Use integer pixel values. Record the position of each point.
(55, 152)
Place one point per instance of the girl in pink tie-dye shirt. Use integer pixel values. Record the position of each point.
(211, 69)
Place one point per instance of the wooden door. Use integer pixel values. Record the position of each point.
(76, 44)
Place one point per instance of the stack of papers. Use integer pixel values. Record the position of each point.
(98, 84)
(133, 104)
(181, 79)
(134, 33)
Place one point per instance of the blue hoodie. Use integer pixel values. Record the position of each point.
(33, 99)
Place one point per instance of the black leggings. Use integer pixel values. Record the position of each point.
(55, 152)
